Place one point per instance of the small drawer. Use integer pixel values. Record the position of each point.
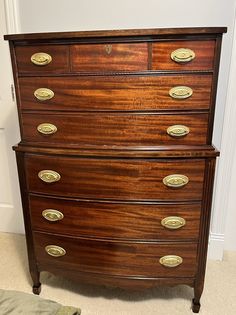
(109, 57)
(115, 220)
(115, 130)
(119, 179)
(42, 59)
(116, 93)
(116, 258)
(183, 55)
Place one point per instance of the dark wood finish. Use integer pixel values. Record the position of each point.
(114, 129)
(112, 108)
(203, 237)
(174, 151)
(115, 220)
(214, 85)
(59, 63)
(197, 31)
(109, 57)
(124, 282)
(33, 267)
(116, 258)
(204, 55)
(139, 93)
(115, 179)
(195, 306)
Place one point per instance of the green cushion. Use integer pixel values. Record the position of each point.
(16, 303)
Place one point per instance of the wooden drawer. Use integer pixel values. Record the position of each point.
(120, 93)
(115, 258)
(115, 220)
(109, 57)
(59, 59)
(163, 52)
(116, 130)
(123, 179)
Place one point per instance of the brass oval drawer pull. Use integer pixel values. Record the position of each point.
(43, 94)
(173, 223)
(180, 92)
(41, 59)
(178, 130)
(47, 128)
(175, 180)
(49, 176)
(55, 251)
(171, 261)
(52, 215)
(182, 55)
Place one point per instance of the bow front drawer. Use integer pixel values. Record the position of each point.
(42, 59)
(115, 258)
(123, 179)
(116, 220)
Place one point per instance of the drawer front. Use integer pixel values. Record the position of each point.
(109, 57)
(42, 59)
(119, 93)
(115, 258)
(115, 220)
(115, 129)
(183, 55)
(121, 179)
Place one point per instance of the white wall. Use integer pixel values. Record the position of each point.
(229, 146)
(75, 15)
(230, 233)
(11, 219)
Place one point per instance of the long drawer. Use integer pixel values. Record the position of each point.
(134, 93)
(123, 179)
(115, 258)
(115, 220)
(115, 129)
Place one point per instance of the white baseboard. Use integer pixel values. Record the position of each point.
(216, 246)
(11, 220)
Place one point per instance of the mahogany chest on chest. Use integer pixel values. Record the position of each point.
(116, 163)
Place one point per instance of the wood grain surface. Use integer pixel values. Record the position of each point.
(59, 63)
(204, 55)
(115, 220)
(114, 130)
(109, 57)
(176, 32)
(116, 258)
(121, 179)
(139, 93)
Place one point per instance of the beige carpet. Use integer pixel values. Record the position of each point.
(219, 297)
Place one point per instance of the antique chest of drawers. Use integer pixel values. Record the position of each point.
(116, 164)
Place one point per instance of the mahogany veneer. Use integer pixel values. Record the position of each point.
(117, 93)
(116, 163)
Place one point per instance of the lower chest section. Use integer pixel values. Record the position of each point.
(116, 217)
